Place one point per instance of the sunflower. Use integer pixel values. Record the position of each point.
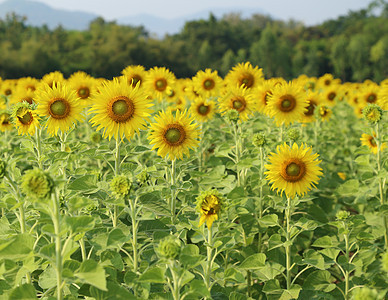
(7, 88)
(25, 118)
(327, 80)
(202, 110)
(370, 141)
(134, 74)
(382, 98)
(368, 94)
(313, 99)
(287, 103)
(330, 94)
(5, 121)
(324, 113)
(244, 75)
(28, 83)
(209, 205)
(174, 135)
(120, 109)
(52, 77)
(239, 99)
(60, 104)
(262, 93)
(208, 83)
(157, 81)
(293, 170)
(84, 85)
(22, 94)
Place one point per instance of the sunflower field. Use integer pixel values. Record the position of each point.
(149, 186)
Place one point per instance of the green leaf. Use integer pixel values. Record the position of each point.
(23, 292)
(116, 237)
(198, 288)
(275, 241)
(255, 261)
(269, 220)
(272, 287)
(48, 278)
(349, 188)
(92, 273)
(115, 291)
(152, 225)
(323, 242)
(269, 271)
(232, 274)
(315, 259)
(17, 246)
(186, 277)
(292, 293)
(155, 202)
(80, 223)
(83, 183)
(319, 280)
(153, 275)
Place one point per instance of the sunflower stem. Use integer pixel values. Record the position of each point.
(381, 183)
(133, 214)
(200, 157)
(38, 133)
(58, 244)
(288, 243)
(346, 236)
(237, 142)
(173, 189)
(117, 157)
(209, 257)
(259, 241)
(176, 282)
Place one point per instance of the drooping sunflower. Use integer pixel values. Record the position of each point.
(84, 85)
(157, 81)
(293, 170)
(202, 110)
(120, 109)
(209, 205)
(244, 74)
(134, 74)
(5, 121)
(174, 136)
(25, 118)
(208, 83)
(60, 105)
(287, 103)
(239, 99)
(370, 141)
(324, 113)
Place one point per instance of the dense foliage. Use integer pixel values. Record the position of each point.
(352, 47)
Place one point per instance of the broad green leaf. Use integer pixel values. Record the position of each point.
(349, 188)
(232, 274)
(275, 241)
(114, 258)
(292, 293)
(152, 225)
(319, 280)
(83, 183)
(155, 202)
(198, 288)
(191, 261)
(269, 271)
(80, 223)
(255, 261)
(114, 292)
(323, 242)
(237, 296)
(48, 278)
(313, 258)
(17, 246)
(153, 275)
(92, 273)
(116, 237)
(269, 220)
(23, 292)
(186, 277)
(272, 287)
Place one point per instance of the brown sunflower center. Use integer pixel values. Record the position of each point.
(174, 135)
(331, 96)
(30, 88)
(121, 109)
(371, 98)
(208, 84)
(287, 103)
(372, 141)
(7, 92)
(310, 109)
(83, 92)
(27, 99)
(26, 119)
(59, 108)
(203, 109)
(160, 84)
(327, 82)
(293, 170)
(239, 104)
(5, 118)
(247, 79)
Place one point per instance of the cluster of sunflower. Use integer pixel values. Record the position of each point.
(123, 106)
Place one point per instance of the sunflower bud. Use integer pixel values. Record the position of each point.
(372, 113)
(96, 137)
(143, 177)
(232, 116)
(209, 205)
(3, 167)
(259, 140)
(169, 247)
(342, 215)
(293, 134)
(120, 186)
(37, 184)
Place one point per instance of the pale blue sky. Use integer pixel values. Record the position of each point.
(309, 11)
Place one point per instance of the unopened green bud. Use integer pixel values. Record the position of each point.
(143, 177)
(232, 115)
(169, 247)
(120, 186)
(96, 137)
(293, 134)
(37, 184)
(259, 140)
(372, 113)
(342, 215)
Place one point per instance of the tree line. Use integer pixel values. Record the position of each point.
(352, 47)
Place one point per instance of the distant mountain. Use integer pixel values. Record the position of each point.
(161, 26)
(38, 14)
